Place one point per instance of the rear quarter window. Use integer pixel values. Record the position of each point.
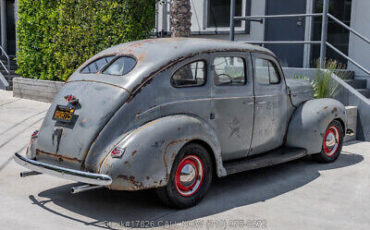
(190, 75)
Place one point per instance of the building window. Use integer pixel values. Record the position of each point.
(218, 13)
(338, 36)
(190, 75)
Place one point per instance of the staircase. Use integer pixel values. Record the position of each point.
(360, 84)
(13, 66)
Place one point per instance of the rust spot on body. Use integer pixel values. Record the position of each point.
(133, 153)
(131, 180)
(60, 158)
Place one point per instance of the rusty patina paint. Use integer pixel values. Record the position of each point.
(152, 120)
(59, 157)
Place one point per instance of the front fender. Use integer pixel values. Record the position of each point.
(151, 149)
(309, 122)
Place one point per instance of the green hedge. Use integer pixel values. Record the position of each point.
(56, 36)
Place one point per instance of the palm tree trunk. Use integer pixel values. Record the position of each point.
(180, 18)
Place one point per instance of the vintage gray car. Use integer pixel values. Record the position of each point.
(172, 114)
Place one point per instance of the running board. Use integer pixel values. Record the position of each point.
(274, 157)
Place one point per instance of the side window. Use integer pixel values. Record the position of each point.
(266, 72)
(229, 71)
(97, 65)
(190, 75)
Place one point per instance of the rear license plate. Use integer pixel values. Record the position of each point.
(63, 113)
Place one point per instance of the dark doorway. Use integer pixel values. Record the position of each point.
(286, 29)
(10, 27)
(338, 36)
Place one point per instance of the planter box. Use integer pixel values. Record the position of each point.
(351, 122)
(34, 89)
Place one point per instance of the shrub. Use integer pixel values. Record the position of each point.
(55, 37)
(324, 86)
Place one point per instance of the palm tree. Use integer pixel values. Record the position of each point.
(180, 18)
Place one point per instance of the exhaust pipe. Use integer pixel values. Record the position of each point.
(29, 173)
(85, 187)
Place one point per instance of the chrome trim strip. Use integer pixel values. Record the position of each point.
(70, 174)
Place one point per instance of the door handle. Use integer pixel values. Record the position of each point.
(300, 21)
(212, 116)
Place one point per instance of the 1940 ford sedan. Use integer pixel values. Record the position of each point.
(172, 114)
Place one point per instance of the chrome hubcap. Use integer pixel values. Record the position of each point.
(189, 175)
(331, 143)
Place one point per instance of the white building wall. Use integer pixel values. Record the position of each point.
(199, 21)
(360, 21)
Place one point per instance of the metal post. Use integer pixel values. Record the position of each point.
(324, 33)
(3, 24)
(232, 23)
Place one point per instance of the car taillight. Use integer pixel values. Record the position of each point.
(35, 134)
(118, 152)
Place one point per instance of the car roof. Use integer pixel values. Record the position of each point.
(167, 49)
(154, 55)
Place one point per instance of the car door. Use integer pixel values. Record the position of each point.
(272, 106)
(232, 102)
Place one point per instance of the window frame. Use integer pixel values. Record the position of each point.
(189, 63)
(274, 66)
(230, 55)
(245, 25)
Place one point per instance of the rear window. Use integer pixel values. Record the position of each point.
(97, 65)
(121, 66)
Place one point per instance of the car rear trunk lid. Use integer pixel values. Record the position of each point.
(67, 144)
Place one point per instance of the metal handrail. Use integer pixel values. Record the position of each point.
(349, 28)
(7, 58)
(323, 43)
(348, 58)
(3, 65)
(276, 16)
(284, 42)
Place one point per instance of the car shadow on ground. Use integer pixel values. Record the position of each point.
(112, 208)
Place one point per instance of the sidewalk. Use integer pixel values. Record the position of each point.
(297, 195)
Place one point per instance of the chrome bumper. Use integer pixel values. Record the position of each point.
(70, 174)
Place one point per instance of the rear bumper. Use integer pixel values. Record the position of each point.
(70, 174)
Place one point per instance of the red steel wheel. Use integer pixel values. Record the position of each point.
(189, 175)
(332, 143)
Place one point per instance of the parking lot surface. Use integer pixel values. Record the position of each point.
(298, 195)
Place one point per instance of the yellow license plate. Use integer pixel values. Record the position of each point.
(63, 113)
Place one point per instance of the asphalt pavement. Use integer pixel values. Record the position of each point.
(298, 195)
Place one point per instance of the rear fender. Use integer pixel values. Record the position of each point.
(150, 151)
(309, 123)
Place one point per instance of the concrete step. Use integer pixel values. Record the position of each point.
(357, 83)
(11, 72)
(348, 73)
(365, 92)
(9, 78)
